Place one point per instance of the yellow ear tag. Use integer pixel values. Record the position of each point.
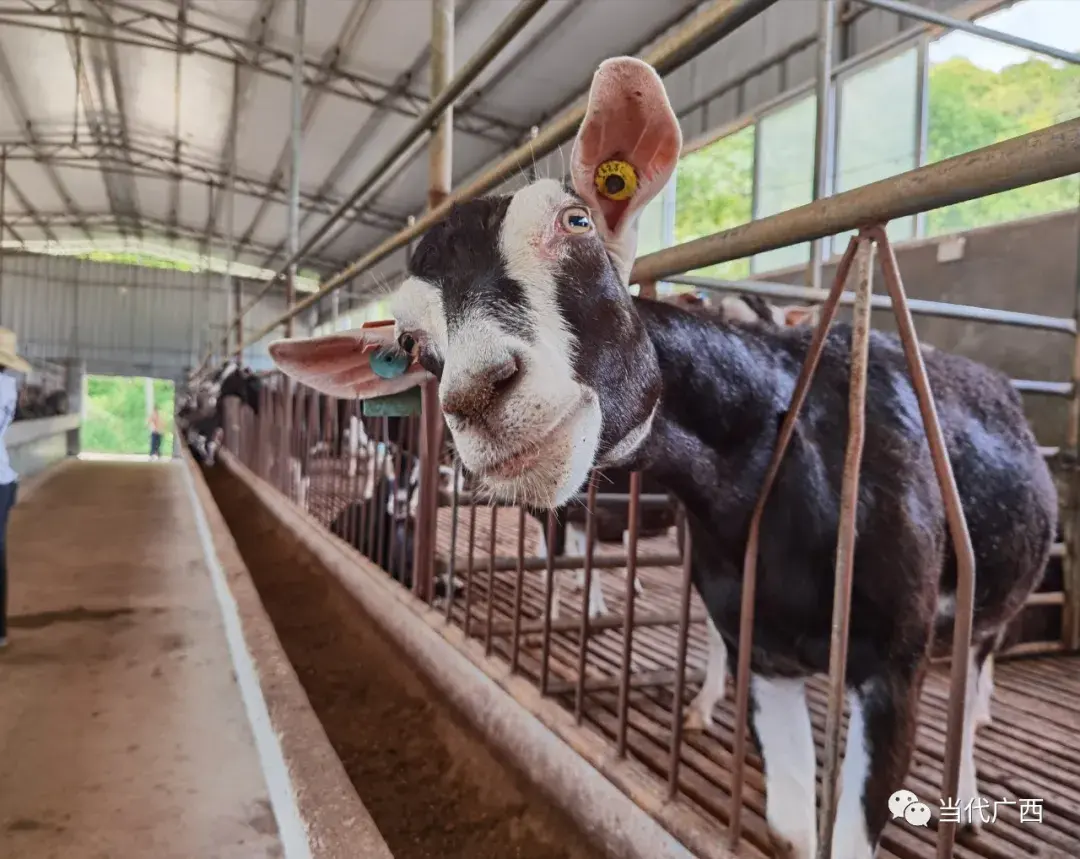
(616, 180)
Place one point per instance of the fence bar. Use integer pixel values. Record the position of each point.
(469, 563)
(549, 591)
(823, 140)
(845, 542)
(749, 583)
(402, 151)
(519, 584)
(702, 30)
(628, 627)
(1025, 160)
(577, 562)
(491, 580)
(583, 635)
(680, 661)
(928, 16)
(451, 566)
(918, 306)
(958, 531)
(230, 215)
(1071, 524)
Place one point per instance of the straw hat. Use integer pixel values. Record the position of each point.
(9, 352)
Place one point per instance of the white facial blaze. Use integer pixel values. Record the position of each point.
(547, 411)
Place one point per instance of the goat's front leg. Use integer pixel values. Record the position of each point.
(967, 784)
(542, 552)
(881, 736)
(985, 694)
(780, 722)
(699, 714)
(639, 588)
(577, 543)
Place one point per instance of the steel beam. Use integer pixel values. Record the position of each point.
(928, 16)
(700, 31)
(510, 27)
(142, 26)
(343, 46)
(22, 115)
(824, 133)
(1026, 160)
(296, 143)
(147, 161)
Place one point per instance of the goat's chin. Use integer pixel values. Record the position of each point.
(558, 468)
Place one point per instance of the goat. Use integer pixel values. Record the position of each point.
(547, 368)
(382, 523)
(201, 414)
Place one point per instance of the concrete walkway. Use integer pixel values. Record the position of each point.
(122, 729)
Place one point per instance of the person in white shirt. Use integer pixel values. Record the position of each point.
(10, 363)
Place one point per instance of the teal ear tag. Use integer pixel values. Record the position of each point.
(389, 363)
(400, 405)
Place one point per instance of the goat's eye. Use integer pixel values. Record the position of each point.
(407, 343)
(576, 220)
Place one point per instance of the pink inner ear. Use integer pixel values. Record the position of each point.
(629, 118)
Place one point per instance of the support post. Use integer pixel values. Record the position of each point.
(238, 292)
(439, 181)
(294, 168)
(1070, 618)
(74, 382)
(823, 140)
(230, 202)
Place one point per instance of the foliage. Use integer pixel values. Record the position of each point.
(714, 191)
(116, 415)
(971, 107)
(146, 260)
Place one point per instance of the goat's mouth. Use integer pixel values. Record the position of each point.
(525, 460)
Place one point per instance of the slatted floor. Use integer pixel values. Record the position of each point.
(1030, 752)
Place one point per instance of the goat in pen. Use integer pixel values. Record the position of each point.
(548, 368)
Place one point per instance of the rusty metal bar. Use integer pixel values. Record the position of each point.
(577, 562)
(825, 123)
(1025, 160)
(628, 628)
(680, 661)
(451, 565)
(929, 16)
(845, 542)
(1070, 620)
(918, 306)
(958, 531)
(549, 591)
(583, 635)
(467, 623)
(749, 583)
(608, 621)
(519, 585)
(491, 581)
(296, 139)
(641, 680)
(705, 28)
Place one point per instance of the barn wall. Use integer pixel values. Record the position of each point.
(1027, 266)
(121, 319)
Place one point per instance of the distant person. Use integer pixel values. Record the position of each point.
(155, 433)
(10, 363)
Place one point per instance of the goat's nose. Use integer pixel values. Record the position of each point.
(473, 395)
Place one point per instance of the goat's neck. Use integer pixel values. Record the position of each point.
(718, 417)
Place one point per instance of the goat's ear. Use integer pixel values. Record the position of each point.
(340, 364)
(628, 119)
(800, 316)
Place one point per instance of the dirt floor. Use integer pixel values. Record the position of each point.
(430, 783)
(122, 730)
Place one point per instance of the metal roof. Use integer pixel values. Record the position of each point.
(116, 116)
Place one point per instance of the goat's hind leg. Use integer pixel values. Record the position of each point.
(780, 721)
(881, 736)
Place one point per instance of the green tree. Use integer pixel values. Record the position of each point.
(116, 415)
(714, 191)
(971, 107)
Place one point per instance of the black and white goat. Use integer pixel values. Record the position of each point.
(201, 413)
(547, 368)
(381, 524)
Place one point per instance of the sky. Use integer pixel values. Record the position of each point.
(1050, 22)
